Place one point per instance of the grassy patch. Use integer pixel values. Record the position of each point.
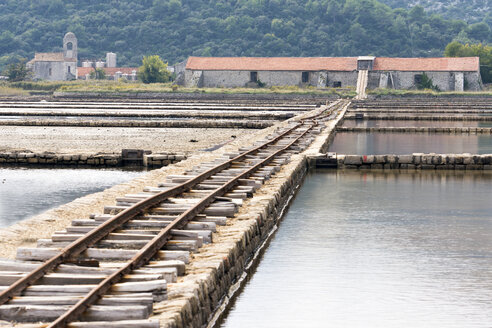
(6, 90)
(130, 87)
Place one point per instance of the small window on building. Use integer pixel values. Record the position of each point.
(337, 84)
(418, 79)
(305, 77)
(69, 69)
(49, 72)
(70, 46)
(253, 76)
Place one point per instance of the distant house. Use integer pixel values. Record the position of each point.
(398, 73)
(112, 73)
(109, 67)
(56, 66)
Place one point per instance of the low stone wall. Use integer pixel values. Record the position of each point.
(216, 269)
(160, 160)
(215, 273)
(200, 96)
(472, 130)
(246, 124)
(94, 160)
(416, 161)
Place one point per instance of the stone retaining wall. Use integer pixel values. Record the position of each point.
(160, 160)
(104, 160)
(246, 124)
(213, 271)
(216, 271)
(416, 161)
(472, 130)
(254, 97)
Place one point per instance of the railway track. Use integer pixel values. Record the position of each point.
(108, 270)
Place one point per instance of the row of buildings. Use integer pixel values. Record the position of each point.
(62, 66)
(447, 74)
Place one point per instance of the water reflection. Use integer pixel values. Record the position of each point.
(378, 143)
(418, 124)
(377, 250)
(25, 192)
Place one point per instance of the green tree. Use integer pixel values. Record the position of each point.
(17, 71)
(153, 70)
(480, 32)
(98, 74)
(427, 83)
(484, 52)
(453, 49)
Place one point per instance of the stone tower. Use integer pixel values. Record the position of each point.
(70, 46)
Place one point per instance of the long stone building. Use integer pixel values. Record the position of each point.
(448, 74)
(57, 66)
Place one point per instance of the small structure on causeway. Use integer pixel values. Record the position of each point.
(448, 74)
(56, 66)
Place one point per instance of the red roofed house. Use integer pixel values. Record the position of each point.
(398, 73)
(112, 73)
(109, 67)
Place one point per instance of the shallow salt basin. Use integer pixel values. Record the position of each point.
(90, 140)
(418, 124)
(379, 143)
(25, 192)
(366, 249)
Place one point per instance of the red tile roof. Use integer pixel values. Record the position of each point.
(110, 71)
(51, 57)
(272, 63)
(464, 64)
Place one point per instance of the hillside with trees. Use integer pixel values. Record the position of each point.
(472, 11)
(176, 29)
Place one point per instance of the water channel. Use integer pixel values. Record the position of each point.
(410, 123)
(373, 249)
(378, 143)
(25, 192)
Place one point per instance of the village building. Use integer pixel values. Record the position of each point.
(111, 71)
(448, 74)
(56, 66)
(109, 67)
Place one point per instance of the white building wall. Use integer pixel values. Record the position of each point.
(445, 81)
(110, 59)
(236, 79)
(473, 81)
(347, 79)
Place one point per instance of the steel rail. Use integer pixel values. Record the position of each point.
(153, 246)
(73, 250)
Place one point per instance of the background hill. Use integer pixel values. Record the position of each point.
(176, 29)
(472, 11)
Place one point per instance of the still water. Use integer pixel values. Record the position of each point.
(367, 249)
(378, 143)
(410, 123)
(25, 192)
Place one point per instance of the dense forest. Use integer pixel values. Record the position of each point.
(472, 11)
(176, 29)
